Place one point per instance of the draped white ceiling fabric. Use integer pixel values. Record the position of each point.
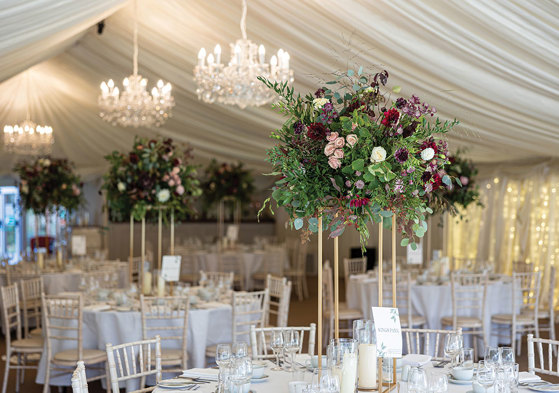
(492, 65)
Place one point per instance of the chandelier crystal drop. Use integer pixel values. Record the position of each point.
(134, 106)
(28, 138)
(236, 83)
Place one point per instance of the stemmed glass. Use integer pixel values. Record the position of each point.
(438, 383)
(291, 344)
(240, 349)
(276, 343)
(507, 355)
(242, 372)
(485, 375)
(452, 346)
(222, 357)
(467, 358)
(417, 380)
(492, 356)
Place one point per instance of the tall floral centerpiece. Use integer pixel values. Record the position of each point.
(226, 181)
(350, 155)
(48, 184)
(156, 173)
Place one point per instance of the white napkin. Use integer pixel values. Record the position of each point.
(203, 373)
(415, 360)
(97, 307)
(209, 305)
(526, 377)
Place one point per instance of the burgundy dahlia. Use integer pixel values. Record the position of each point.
(391, 117)
(426, 176)
(401, 155)
(401, 102)
(410, 129)
(319, 93)
(317, 131)
(430, 143)
(437, 181)
(134, 158)
(298, 128)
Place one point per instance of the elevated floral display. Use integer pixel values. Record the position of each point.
(349, 155)
(48, 183)
(452, 199)
(226, 180)
(155, 174)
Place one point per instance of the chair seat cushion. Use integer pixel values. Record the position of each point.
(521, 319)
(32, 344)
(416, 320)
(462, 321)
(90, 356)
(36, 332)
(170, 357)
(349, 313)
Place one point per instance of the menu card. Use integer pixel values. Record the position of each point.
(171, 267)
(388, 331)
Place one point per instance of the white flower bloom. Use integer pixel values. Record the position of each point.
(378, 154)
(25, 189)
(121, 186)
(163, 195)
(368, 89)
(46, 162)
(428, 154)
(318, 103)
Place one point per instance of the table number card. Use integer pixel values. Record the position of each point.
(232, 233)
(415, 257)
(388, 331)
(171, 267)
(79, 245)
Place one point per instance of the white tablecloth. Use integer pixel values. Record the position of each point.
(205, 327)
(431, 301)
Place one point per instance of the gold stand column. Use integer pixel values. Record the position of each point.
(319, 324)
(131, 257)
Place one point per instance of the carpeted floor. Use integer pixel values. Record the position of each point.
(301, 313)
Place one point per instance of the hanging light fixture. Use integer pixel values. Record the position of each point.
(134, 106)
(28, 138)
(236, 83)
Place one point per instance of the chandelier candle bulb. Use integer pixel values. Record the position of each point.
(217, 52)
(285, 63)
(238, 54)
(210, 59)
(262, 54)
(201, 57)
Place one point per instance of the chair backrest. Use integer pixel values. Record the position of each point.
(11, 317)
(79, 380)
(403, 298)
(231, 262)
(279, 292)
(21, 271)
(134, 360)
(552, 366)
(216, 277)
(354, 266)
(260, 346)
(522, 267)
(427, 341)
(249, 308)
(168, 318)
(63, 320)
(528, 284)
(469, 293)
(31, 291)
(136, 268)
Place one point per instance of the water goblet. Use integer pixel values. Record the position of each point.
(437, 382)
(241, 372)
(485, 375)
(507, 355)
(417, 380)
(467, 358)
(291, 344)
(240, 349)
(276, 343)
(452, 346)
(222, 356)
(492, 356)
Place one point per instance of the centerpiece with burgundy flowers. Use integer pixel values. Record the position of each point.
(350, 155)
(155, 174)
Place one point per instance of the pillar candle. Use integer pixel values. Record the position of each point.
(41, 260)
(160, 286)
(146, 290)
(349, 373)
(59, 261)
(367, 366)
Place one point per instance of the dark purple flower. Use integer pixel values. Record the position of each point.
(426, 176)
(401, 102)
(317, 131)
(409, 129)
(401, 155)
(328, 107)
(319, 93)
(298, 128)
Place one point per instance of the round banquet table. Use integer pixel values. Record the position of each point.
(431, 301)
(208, 326)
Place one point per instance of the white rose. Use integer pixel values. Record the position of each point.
(428, 154)
(368, 89)
(318, 103)
(121, 186)
(163, 195)
(378, 154)
(46, 162)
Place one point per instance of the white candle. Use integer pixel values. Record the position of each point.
(146, 290)
(59, 258)
(41, 260)
(349, 373)
(238, 54)
(217, 53)
(160, 286)
(367, 366)
(261, 54)
(201, 57)
(285, 62)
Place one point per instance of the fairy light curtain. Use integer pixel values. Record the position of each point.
(519, 220)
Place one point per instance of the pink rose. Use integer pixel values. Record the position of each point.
(178, 181)
(464, 180)
(332, 137)
(353, 126)
(334, 162)
(176, 170)
(171, 183)
(165, 177)
(339, 142)
(329, 149)
(339, 153)
(351, 139)
(180, 190)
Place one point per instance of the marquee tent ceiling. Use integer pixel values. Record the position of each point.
(492, 65)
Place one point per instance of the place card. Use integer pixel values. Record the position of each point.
(171, 267)
(415, 257)
(388, 331)
(232, 233)
(79, 245)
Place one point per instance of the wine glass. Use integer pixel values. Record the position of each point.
(507, 355)
(417, 380)
(492, 356)
(240, 349)
(242, 372)
(276, 343)
(222, 357)
(291, 344)
(438, 383)
(467, 358)
(485, 375)
(452, 346)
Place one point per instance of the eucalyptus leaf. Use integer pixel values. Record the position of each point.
(350, 73)
(446, 180)
(298, 223)
(404, 242)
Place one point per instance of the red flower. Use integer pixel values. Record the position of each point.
(437, 181)
(391, 117)
(359, 202)
(317, 131)
(430, 143)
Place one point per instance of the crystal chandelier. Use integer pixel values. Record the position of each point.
(28, 138)
(135, 107)
(237, 83)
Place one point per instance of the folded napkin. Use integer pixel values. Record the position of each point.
(98, 307)
(415, 360)
(202, 373)
(526, 377)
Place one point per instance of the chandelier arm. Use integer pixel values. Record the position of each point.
(135, 37)
(244, 20)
